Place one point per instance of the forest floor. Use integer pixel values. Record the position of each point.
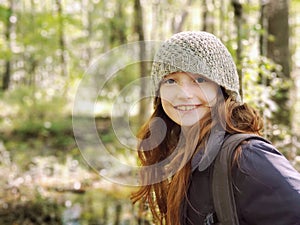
(45, 180)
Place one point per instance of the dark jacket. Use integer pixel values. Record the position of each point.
(266, 189)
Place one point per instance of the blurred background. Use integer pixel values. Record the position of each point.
(46, 47)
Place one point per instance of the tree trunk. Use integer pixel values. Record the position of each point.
(30, 57)
(238, 20)
(105, 214)
(7, 72)
(178, 20)
(222, 20)
(207, 17)
(61, 38)
(118, 25)
(278, 51)
(122, 29)
(118, 211)
(87, 21)
(6, 75)
(144, 112)
(263, 20)
(278, 27)
(263, 41)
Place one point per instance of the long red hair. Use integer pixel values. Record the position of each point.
(164, 197)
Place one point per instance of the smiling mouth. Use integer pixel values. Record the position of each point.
(186, 107)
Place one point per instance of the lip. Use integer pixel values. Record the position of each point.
(186, 108)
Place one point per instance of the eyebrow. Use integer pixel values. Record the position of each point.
(168, 76)
(192, 75)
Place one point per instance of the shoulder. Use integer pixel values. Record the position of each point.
(267, 179)
(259, 150)
(260, 147)
(263, 161)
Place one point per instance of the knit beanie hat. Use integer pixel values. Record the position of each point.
(196, 52)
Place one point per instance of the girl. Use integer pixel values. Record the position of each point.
(197, 98)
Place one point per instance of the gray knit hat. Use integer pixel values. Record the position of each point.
(200, 53)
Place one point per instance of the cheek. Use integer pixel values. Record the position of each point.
(210, 92)
(166, 95)
(166, 105)
(168, 109)
(165, 98)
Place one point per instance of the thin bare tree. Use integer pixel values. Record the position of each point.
(238, 20)
(8, 29)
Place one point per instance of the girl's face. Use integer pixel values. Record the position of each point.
(186, 97)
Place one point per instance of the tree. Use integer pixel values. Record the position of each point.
(238, 19)
(278, 51)
(139, 30)
(8, 12)
(263, 20)
(118, 24)
(207, 17)
(178, 20)
(278, 29)
(61, 38)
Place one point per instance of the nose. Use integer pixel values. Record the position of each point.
(185, 91)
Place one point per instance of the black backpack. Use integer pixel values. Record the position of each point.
(222, 188)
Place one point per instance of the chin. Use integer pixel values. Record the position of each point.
(188, 123)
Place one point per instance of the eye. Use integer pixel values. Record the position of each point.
(200, 80)
(169, 81)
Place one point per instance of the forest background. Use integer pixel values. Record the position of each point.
(47, 48)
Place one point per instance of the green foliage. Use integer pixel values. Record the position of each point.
(263, 76)
(38, 33)
(263, 82)
(119, 81)
(5, 13)
(32, 112)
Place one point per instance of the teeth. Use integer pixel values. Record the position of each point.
(186, 107)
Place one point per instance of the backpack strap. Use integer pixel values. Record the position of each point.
(222, 188)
